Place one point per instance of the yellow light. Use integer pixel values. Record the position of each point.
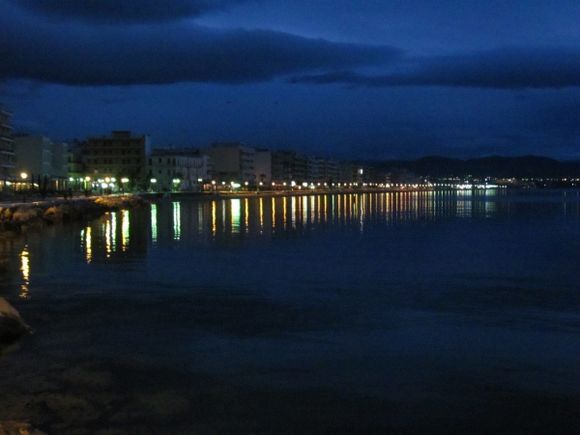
(23, 175)
(25, 269)
(88, 245)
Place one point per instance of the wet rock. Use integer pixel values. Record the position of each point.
(18, 428)
(24, 215)
(118, 202)
(12, 327)
(53, 214)
(19, 219)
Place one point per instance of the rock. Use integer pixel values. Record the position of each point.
(53, 214)
(12, 327)
(119, 202)
(18, 428)
(25, 214)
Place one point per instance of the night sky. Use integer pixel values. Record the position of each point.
(345, 78)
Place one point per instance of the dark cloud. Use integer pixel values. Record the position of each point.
(165, 53)
(118, 11)
(501, 69)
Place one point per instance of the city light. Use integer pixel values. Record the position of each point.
(23, 175)
(153, 180)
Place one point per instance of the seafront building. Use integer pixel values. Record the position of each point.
(182, 169)
(289, 166)
(119, 156)
(263, 166)
(6, 148)
(41, 160)
(122, 161)
(232, 162)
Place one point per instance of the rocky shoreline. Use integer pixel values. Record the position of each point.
(16, 219)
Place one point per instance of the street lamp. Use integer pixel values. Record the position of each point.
(23, 175)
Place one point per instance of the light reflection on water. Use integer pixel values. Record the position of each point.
(25, 270)
(271, 217)
(410, 296)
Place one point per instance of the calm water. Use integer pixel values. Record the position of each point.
(406, 312)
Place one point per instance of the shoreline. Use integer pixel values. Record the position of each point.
(282, 193)
(18, 218)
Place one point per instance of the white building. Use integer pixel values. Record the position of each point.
(178, 169)
(40, 157)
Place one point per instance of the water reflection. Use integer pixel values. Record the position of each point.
(125, 233)
(231, 219)
(118, 234)
(268, 216)
(87, 243)
(176, 220)
(25, 270)
(236, 208)
(154, 223)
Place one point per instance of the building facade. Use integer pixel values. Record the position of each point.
(39, 156)
(7, 158)
(263, 166)
(232, 161)
(178, 169)
(121, 155)
(288, 166)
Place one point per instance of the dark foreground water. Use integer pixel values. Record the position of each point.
(381, 313)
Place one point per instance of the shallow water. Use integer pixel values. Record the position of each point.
(405, 312)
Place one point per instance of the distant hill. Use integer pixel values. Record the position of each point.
(493, 166)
